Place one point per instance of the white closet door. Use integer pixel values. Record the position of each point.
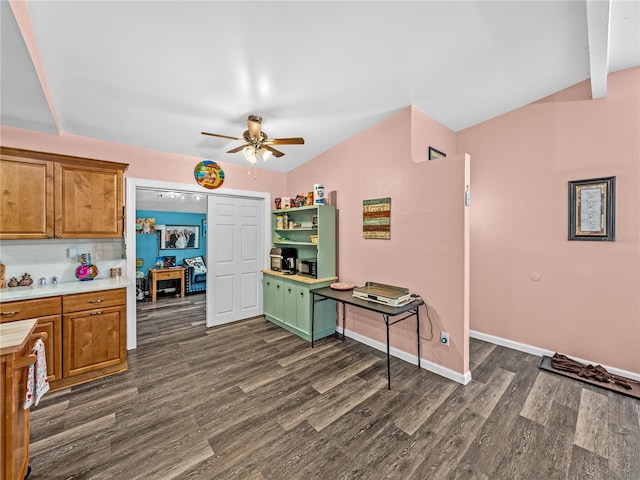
(235, 249)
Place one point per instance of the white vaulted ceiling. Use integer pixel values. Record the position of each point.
(155, 74)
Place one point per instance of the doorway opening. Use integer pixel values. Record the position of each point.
(156, 187)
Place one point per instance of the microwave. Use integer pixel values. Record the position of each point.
(307, 266)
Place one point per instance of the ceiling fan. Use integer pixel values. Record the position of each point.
(258, 142)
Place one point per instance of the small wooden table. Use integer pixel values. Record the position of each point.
(171, 273)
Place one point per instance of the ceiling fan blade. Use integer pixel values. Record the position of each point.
(276, 153)
(285, 141)
(237, 149)
(221, 136)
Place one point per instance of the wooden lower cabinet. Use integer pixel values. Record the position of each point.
(52, 325)
(15, 421)
(94, 336)
(93, 341)
(14, 418)
(86, 333)
(287, 303)
(48, 312)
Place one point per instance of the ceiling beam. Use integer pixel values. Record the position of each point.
(21, 13)
(598, 27)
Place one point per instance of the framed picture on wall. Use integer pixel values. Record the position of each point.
(145, 225)
(178, 237)
(592, 209)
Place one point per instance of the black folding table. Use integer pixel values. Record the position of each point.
(345, 297)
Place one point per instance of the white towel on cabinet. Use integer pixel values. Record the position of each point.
(37, 381)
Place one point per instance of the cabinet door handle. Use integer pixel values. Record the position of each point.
(302, 294)
(268, 283)
(98, 300)
(49, 236)
(13, 312)
(289, 290)
(58, 235)
(277, 286)
(99, 312)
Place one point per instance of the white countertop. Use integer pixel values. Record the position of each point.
(40, 291)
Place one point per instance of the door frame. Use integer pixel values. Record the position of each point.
(131, 186)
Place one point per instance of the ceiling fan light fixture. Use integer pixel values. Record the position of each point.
(250, 154)
(266, 154)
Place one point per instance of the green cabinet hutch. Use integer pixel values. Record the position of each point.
(287, 298)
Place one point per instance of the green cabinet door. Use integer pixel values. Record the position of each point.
(273, 296)
(278, 299)
(268, 294)
(287, 303)
(303, 308)
(290, 303)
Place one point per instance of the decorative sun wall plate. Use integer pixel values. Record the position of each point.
(209, 174)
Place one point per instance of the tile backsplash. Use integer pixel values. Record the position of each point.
(50, 258)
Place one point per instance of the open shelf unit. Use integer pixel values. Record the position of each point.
(317, 220)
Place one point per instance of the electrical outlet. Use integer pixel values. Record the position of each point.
(444, 338)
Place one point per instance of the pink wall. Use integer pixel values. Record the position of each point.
(143, 162)
(425, 252)
(587, 300)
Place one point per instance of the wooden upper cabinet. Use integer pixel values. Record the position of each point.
(26, 188)
(46, 195)
(88, 201)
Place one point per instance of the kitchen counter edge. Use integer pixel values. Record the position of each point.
(11, 294)
(300, 278)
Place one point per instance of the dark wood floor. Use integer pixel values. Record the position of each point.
(251, 401)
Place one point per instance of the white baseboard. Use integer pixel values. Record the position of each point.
(466, 377)
(408, 357)
(523, 347)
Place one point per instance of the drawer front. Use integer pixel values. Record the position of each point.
(24, 309)
(92, 300)
(169, 275)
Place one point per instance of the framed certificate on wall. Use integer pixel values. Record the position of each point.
(592, 209)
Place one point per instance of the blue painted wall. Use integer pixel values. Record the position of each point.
(148, 245)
